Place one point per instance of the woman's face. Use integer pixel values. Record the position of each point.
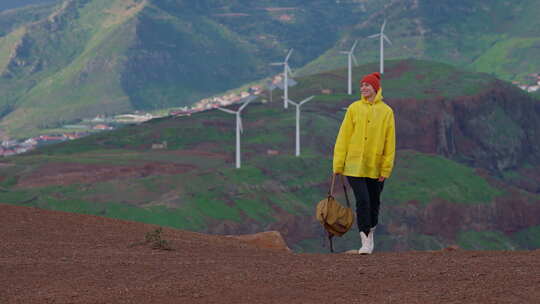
(366, 90)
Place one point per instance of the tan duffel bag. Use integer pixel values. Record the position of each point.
(334, 217)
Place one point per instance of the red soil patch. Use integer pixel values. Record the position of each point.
(203, 149)
(397, 70)
(55, 257)
(73, 173)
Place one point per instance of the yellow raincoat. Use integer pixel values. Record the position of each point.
(366, 143)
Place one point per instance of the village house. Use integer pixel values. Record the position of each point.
(30, 142)
(326, 91)
(9, 143)
(51, 138)
(99, 118)
(179, 113)
(272, 152)
(225, 100)
(533, 83)
(161, 146)
(133, 118)
(102, 127)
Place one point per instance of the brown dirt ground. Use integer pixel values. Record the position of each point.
(56, 257)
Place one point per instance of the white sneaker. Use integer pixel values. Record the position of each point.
(370, 239)
(367, 246)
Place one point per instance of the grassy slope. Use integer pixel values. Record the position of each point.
(88, 62)
(499, 38)
(265, 187)
(514, 55)
(411, 78)
(8, 45)
(11, 20)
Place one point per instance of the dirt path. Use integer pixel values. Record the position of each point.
(54, 257)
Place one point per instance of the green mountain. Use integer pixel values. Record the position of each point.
(93, 57)
(80, 58)
(466, 169)
(496, 37)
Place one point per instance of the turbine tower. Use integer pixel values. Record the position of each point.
(382, 38)
(286, 72)
(351, 56)
(239, 129)
(298, 105)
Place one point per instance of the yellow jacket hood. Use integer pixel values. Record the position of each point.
(365, 145)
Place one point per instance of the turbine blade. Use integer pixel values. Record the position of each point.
(344, 52)
(289, 70)
(292, 102)
(354, 59)
(277, 63)
(387, 40)
(306, 100)
(374, 36)
(383, 26)
(288, 55)
(227, 110)
(354, 46)
(245, 105)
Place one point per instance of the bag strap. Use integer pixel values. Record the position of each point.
(331, 190)
(330, 238)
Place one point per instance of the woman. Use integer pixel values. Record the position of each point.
(364, 152)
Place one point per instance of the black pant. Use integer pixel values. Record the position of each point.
(367, 192)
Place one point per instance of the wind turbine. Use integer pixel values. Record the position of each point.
(286, 72)
(351, 56)
(298, 105)
(382, 38)
(239, 128)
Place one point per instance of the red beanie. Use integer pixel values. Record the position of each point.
(374, 80)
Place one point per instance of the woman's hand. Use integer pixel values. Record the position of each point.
(381, 179)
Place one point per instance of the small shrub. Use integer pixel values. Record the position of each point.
(154, 239)
(156, 242)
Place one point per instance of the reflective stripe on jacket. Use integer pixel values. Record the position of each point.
(366, 142)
